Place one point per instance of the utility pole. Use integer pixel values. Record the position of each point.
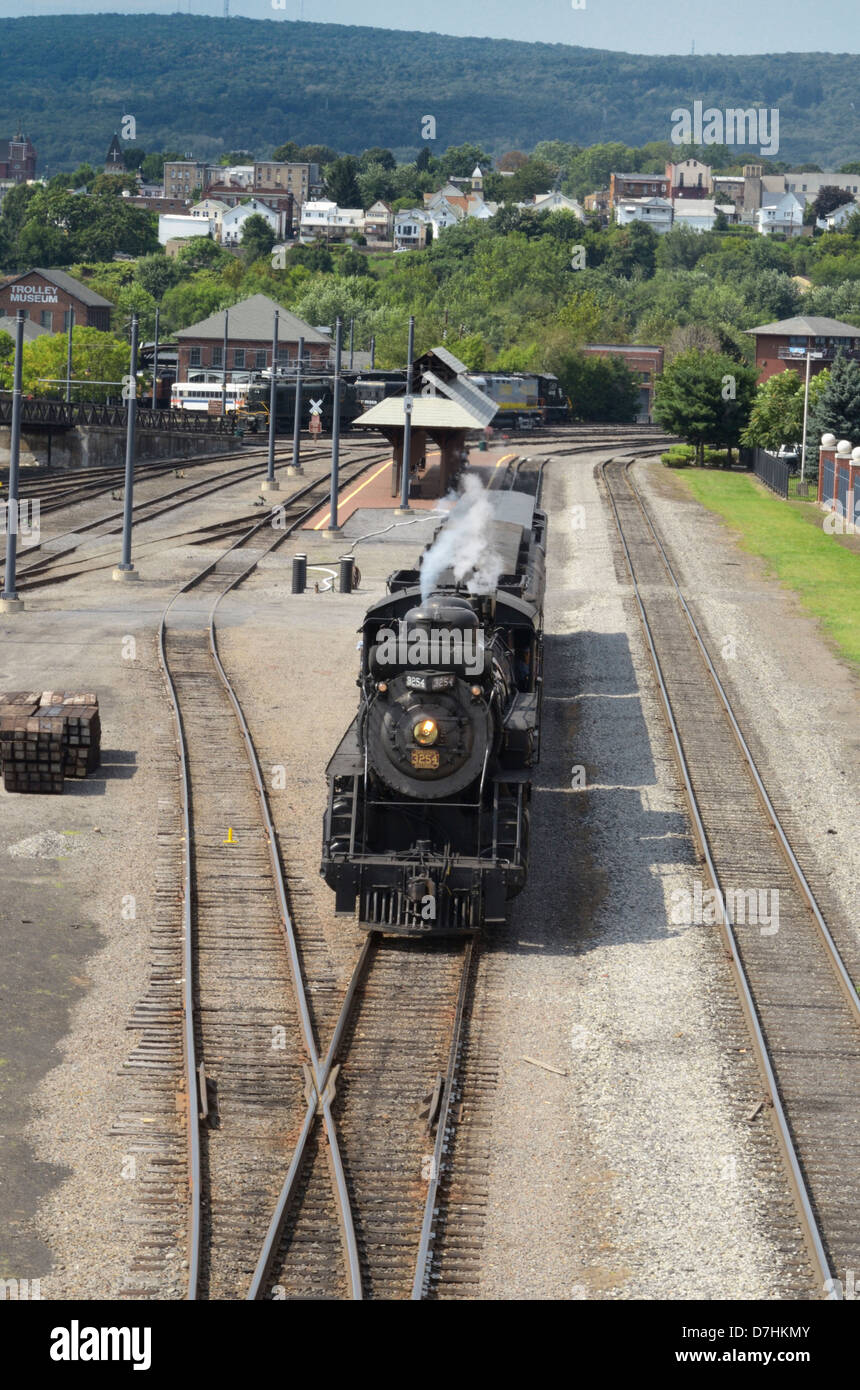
(351, 340)
(296, 467)
(372, 351)
(9, 600)
(407, 424)
(270, 485)
(125, 569)
(69, 356)
(224, 364)
(333, 528)
(809, 357)
(155, 365)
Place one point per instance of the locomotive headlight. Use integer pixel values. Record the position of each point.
(425, 732)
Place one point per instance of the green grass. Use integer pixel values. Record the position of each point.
(789, 537)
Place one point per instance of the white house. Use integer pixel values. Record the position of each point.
(212, 210)
(323, 218)
(233, 220)
(410, 229)
(652, 212)
(172, 225)
(836, 220)
(557, 202)
(780, 213)
(699, 214)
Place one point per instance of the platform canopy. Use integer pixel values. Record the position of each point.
(428, 413)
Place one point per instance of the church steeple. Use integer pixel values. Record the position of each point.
(114, 162)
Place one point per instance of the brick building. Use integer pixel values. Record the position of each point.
(689, 178)
(47, 296)
(623, 186)
(183, 176)
(249, 341)
(783, 346)
(644, 362)
(17, 159)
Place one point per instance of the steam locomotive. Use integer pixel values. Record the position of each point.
(427, 825)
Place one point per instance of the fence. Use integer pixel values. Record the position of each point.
(839, 483)
(771, 471)
(66, 415)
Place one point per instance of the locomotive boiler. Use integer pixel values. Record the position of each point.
(427, 825)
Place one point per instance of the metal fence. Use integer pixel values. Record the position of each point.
(771, 471)
(65, 415)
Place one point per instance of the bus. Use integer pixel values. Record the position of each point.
(206, 395)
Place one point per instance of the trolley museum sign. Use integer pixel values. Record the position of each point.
(33, 294)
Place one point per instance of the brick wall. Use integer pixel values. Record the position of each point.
(47, 304)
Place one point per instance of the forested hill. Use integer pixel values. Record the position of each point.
(211, 85)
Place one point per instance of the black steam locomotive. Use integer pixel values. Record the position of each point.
(427, 826)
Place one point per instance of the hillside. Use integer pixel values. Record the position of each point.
(208, 85)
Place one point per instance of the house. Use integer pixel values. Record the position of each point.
(173, 226)
(300, 180)
(49, 297)
(233, 220)
(321, 218)
(211, 210)
(182, 176)
(557, 201)
(808, 186)
(624, 187)
(411, 229)
(651, 212)
(17, 159)
(250, 327)
(780, 214)
(690, 178)
(379, 222)
(114, 162)
(644, 362)
(836, 221)
(699, 214)
(784, 345)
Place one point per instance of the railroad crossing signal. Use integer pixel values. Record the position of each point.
(316, 407)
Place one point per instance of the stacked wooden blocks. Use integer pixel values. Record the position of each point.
(46, 736)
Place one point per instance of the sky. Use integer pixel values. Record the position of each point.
(632, 26)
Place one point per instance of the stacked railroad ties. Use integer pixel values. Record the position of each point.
(47, 736)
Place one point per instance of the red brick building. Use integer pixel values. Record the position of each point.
(783, 346)
(17, 159)
(637, 186)
(249, 341)
(644, 362)
(47, 296)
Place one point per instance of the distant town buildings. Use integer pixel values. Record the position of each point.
(17, 159)
(249, 343)
(784, 345)
(47, 297)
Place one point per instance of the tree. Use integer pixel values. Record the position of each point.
(313, 257)
(152, 168)
(157, 274)
(513, 160)
(600, 388)
(201, 253)
(341, 181)
(776, 417)
(829, 199)
(288, 153)
(352, 263)
(133, 157)
(705, 397)
(837, 410)
(458, 161)
(258, 238)
(472, 350)
(374, 182)
(101, 357)
(377, 154)
(317, 154)
(231, 157)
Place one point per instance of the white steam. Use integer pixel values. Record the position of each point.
(464, 544)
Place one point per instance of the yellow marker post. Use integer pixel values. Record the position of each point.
(229, 840)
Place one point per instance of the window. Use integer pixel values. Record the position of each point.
(283, 356)
(46, 318)
(238, 357)
(217, 357)
(260, 359)
(194, 358)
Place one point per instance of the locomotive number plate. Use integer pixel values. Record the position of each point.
(425, 757)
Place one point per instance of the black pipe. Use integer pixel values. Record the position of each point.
(346, 568)
(300, 573)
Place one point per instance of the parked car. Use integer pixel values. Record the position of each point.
(790, 454)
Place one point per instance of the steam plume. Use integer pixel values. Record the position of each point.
(464, 544)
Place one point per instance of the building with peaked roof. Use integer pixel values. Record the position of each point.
(17, 159)
(31, 329)
(114, 162)
(379, 222)
(250, 324)
(623, 187)
(699, 214)
(652, 212)
(784, 345)
(556, 201)
(233, 220)
(689, 178)
(48, 297)
(323, 218)
(780, 213)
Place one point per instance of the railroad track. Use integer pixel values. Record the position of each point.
(801, 1007)
(54, 567)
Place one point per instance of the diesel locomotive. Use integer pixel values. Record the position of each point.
(427, 825)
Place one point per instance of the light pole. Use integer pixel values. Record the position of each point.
(407, 425)
(270, 485)
(296, 467)
(224, 350)
(125, 569)
(809, 357)
(9, 600)
(333, 528)
(69, 356)
(155, 364)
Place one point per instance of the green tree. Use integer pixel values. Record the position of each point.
(837, 409)
(705, 398)
(599, 388)
(288, 153)
(458, 161)
(776, 417)
(377, 155)
(201, 253)
(258, 239)
(313, 257)
(829, 199)
(341, 181)
(157, 274)
(99, 357)
(374, 181)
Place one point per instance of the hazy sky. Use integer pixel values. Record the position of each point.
(633, 26)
